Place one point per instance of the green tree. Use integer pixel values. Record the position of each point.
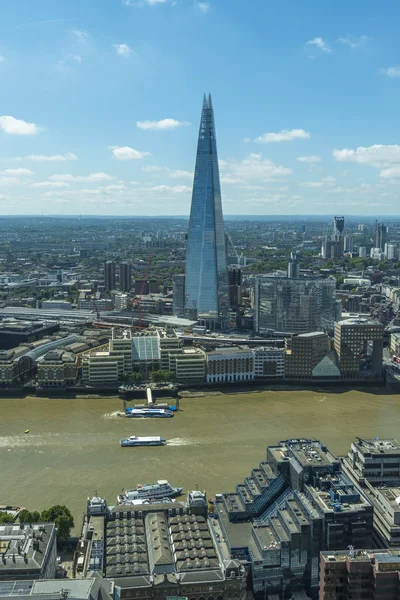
(162, 376)
(27, 516)
(62, 518)
(6, 518)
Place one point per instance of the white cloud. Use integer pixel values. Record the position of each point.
(378, 155)
(203, 6)
(80, 36)
(181, 174)
(286, 135)
(77, 58)
(50, 184)
(153, 2)
(152, 169)
(92, 177)
(392, 173)
(127, 153)
(326, 182)
(311, 160)
(51, 158)
(318, 42)
(18, 126)
(167, 188)
(252, 168)
(122, 49)
(391, 71)
(354, 42)
(18, 171)
(9, 180)
(163, 124)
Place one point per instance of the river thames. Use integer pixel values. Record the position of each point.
(72, 449)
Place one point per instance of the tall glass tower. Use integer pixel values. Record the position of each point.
(206, 282)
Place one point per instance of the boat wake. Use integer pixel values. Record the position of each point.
(113, 415)
(182, 442)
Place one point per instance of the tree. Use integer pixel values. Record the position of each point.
(5, 518)
(162, 376)
(62, 518)
(27, 516)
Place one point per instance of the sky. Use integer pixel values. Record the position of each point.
(100, 104)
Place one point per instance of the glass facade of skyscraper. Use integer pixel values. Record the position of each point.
(294, 305)
(206, 282)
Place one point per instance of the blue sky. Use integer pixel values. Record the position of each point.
(100, 104)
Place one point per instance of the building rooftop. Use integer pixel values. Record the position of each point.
(24, 547)
(377, 446)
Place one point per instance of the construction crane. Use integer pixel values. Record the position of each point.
(142, 290)
(239, 258)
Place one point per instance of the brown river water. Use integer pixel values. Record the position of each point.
(72, 449)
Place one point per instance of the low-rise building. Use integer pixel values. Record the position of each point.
(28, 551)
(229, 365)
(57, 368)
(159, 550)
(92, 588)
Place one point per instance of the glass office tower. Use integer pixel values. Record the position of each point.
(293, 306)
(206, 282)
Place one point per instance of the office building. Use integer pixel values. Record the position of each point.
(359, 347)
(57, 368)
(125, 277)
(374, 464)
(109, 275)
(230, 364)
(235, 287)
(381, 231)
(367, 574)
(179, 295)
(121, 345)
(21, 332)
(348, 243)
(100, 368)
(56, 305)
(91, 588)
(269, 363)
(293, 305)
(375, 460)
(159, 551)
(293, 271)
(188, 366)
(121, 301)
(390, 251)
(308, 356)
(362, 252)
(28, 551)
(15, 366)
(296, 503)
(377, 254)
(206, 283)
(338, 225)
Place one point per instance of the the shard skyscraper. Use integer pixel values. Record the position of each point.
(206, 281)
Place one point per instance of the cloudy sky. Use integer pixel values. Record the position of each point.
(100, 103)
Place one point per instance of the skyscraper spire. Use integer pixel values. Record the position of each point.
(206, 285)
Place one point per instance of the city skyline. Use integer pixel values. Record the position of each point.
(99, 106)
(206, 278)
